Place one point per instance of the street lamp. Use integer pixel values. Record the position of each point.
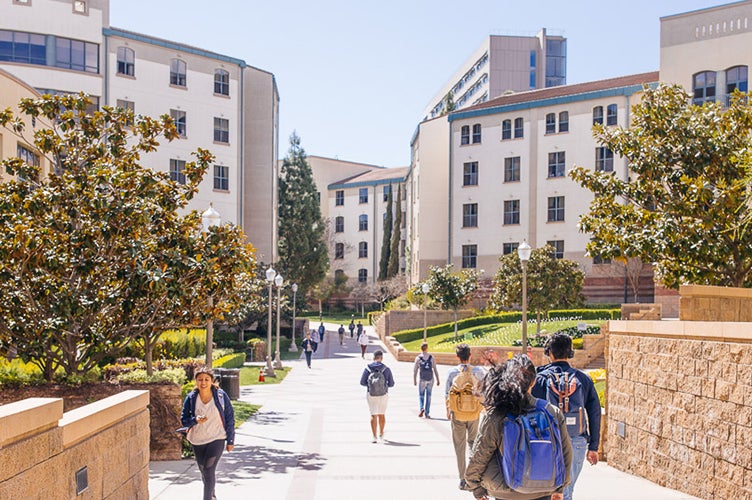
(209, 219)
(523, 250)
(425, 289)
(270, 274)
(278, 281)
(293, 347)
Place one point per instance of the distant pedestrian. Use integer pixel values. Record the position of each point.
(315, 337)
(322, 332)
(377, 378)
(209, 420)
(309, 347)
(341, 332)
(363, 341)
(359, 328)
(425, 364)
(351, 326)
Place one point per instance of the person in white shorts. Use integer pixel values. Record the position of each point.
(377, 379)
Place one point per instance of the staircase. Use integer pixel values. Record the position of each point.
(597, 363)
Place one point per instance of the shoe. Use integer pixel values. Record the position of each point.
(463, 484)
(374, 439)
(428, 416)
(381, 437)
(420, 414)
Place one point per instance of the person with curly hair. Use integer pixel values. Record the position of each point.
(506, 391)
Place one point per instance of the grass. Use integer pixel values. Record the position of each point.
(243, 411)
(249, 375)
(493, 334)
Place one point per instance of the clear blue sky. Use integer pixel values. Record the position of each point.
(354, 76)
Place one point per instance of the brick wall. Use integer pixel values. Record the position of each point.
(398, 320)
(715, 303)
(679, 404)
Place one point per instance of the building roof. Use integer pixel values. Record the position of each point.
(373, 178)
(552, 95)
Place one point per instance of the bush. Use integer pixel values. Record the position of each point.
(138, 376)
(417, 333)
(16, 372)
(230, 361)
(125, 365)
(585, 314)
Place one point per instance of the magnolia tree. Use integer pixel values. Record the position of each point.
(95, 254)
(450, 289)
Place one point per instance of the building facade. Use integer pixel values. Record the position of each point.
(218, 102)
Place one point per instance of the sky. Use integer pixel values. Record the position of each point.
(354, 76)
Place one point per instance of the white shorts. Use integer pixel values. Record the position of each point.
(377, 404)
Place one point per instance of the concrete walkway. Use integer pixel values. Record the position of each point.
(312, 440)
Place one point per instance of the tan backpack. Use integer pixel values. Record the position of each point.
(464, 401)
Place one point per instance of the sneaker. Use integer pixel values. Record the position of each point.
(381, 437)
(463, 484)
(420, 414)
(374, 439)
(428, 416)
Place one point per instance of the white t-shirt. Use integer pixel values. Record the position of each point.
(212, 429)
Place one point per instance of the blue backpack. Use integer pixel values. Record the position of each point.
(532, 459)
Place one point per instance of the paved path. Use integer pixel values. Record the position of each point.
(312, 441)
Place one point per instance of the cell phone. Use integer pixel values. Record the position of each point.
(200, 417)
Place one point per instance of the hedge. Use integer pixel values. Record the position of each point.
(230, 361)
(585, 314)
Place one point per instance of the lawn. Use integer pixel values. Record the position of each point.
(492, 334)
(243, 411)
(249, 375)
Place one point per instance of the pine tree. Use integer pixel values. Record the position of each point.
(394, 253)
(386, 238)
(303, 257)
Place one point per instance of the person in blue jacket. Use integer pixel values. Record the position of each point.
(209, 419)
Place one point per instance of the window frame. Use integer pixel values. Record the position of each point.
(563, 121)
(556, 244)
(222, 85)
(465, 135)
(470, 173)
(705, 96)
(507, 248)
(734, 83)
(339, 198)
(612, 115)
(469, 215)
(363, 222)
(178, 78)
(550, 123)
(339, 224)
(470, 256)
(221, 130)
(180, 118)
(519, 131)
(362, 275)
(556, 209)
(126, 66)
(511, 213)
(477, 133)
(597, 115)
(177, 171)
(362, 196)
(362, 249)
(221, 178)
(604, 159)
(506, 129)
(557, 161)
(339, 251)
(512, 167)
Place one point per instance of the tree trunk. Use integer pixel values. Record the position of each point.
(537, 322)
(456, 337)
(148, 351)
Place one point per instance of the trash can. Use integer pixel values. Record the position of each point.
(229, 381)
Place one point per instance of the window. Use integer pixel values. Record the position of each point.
(469, 256)
(179, 119)
(736, 78)
(465, 135)
(339, 250)
(533, 66)
(476, 133)
(363, 250)
(30, 48)
(564, 121)
(128, 106)
(340, 276)
(611, 114)
(703, 87)
(556, 62)
(558, 248)
(519, 128)
(222, 130)
(604, 160)
(511, 212)
(362, 275)
(508, 248)
(470, 174)
(387, 192)
(177, 169)
(363, 222)
(555, 209)
(363, 195)
(126, 61)
(556, 164)
(512, 169)
(470, 215)
(79, 6)
(77, 55)
(506, 130)
(21, 47)
(598, 115)
(221, 178)
(221, 82)
(597, 259)
(27, 155)
(339, 224)
(339, 198)
(551, 123)
(177, 72)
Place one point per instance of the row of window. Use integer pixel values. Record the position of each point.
(221, 125)
(470, 252)
(339, 195)
(221, 174)
(126, 65)
(339, 223)
(511, 214)
(704, 84)
(49, 50)
(339, 250)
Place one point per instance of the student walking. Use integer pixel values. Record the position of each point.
(506, 395)
(425, 364)
(209, 419)
(341, 332)
(309, 347)
(322, 331)
(363, 341)
(377, 379)
(351, 326)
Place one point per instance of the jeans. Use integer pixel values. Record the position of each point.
(579, 451)
(207, 458)
(308, 358)
(424, 394)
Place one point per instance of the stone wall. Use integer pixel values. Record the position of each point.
(398, 320)
(715, 303)
(43, 450)
(679, 403)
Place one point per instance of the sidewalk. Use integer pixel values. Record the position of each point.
(311, 441)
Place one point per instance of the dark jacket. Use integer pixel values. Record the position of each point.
(491, 438)
(592, 403)
(377, 365)
(226, 412)
(310, 342)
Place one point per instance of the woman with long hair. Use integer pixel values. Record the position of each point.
(506, 391)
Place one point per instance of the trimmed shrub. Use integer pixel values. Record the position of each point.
(230, 361)
(417, 333)
(138, 376)
(585, 314)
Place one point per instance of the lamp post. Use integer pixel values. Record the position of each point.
(278, 281)
(425, 289)
(523, 250)
(270, 274)
(293, 347)
(209, 219)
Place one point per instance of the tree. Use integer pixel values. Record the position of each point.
(360, 294)
(303, 253)
(684, 207)
(394, 252)
(95, 255)
(385, 290)
(386, 238)
(551, 282)
(633, 268)
(451, 289)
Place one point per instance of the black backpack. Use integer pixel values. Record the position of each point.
(426, 368)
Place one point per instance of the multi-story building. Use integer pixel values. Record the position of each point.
(218, 102)
(502, 64)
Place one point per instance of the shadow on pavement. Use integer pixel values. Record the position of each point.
(253, 461)
(389, 442)
(270, 417)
